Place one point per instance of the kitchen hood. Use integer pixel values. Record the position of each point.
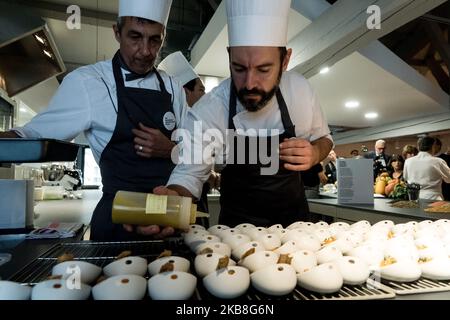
(28, 53)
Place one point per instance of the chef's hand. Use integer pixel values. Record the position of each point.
(214, 180)
(323, 178)
(299, 154)
(152, 143)
(163, 190)
(156, 231)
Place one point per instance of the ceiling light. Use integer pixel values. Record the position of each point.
(41, 40)
(352, 104)
(371, 115)
(324, 70)
(23, 109)
(48, 54)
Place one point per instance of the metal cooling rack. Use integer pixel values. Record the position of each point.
(102, 253)
(98, 253)
(419, 286)
(360, 292)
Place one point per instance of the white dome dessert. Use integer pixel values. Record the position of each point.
(288, 247)
(353, 269)
(217, 247)
(275, 280)
(122, 287)
(217, 229)
(257, 232)
(303, 260)
(328, 254)
(324, 279)
(58, 290)
(259, 260)
(227, 283)
(179, 264)
(436, 269)
(127, 265)
(371, 255)
(172, 285)
(244, 227)
(270, 241)
(275, 228)
(14, 291)
(400, 271)
(236, 240)
(206, 263)
(244, 248)
(88, 272)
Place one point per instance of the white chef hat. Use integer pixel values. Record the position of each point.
(258, 22)
(176, 65)
(156, 10)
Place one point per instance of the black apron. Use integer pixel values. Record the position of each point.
(263, 200)
(121, 168)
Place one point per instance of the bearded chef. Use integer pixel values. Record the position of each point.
(260, 94)
(127, 111)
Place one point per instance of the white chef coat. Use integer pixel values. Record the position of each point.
(86, 101)
(427, 171)
(213, 110)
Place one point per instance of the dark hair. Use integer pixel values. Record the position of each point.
(283, 53)
(425, 143)
(191, 85)
(396, 158)
(121, 22)
(351, 152)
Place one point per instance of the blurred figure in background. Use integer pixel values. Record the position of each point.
(329, 166)
(380, 159)
(395, 166)
(446, 158)
(354, 153)
(427, 171)
(409, 151)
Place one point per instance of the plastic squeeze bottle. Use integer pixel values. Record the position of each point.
(150, 209)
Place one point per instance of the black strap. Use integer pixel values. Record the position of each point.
(232, 105)
(285, 118)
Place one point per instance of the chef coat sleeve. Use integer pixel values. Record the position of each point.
(68, 114)
(320, 127)
(445, 171)
(196, 156)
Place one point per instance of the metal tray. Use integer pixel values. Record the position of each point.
(102, 253)
(419, 286)
(36, 150)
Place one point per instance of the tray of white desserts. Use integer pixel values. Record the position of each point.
(304, 261)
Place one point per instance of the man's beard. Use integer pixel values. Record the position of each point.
(253, 105)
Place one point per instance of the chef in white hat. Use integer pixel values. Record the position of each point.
(127, 111)
(260, 94)
(177, 66)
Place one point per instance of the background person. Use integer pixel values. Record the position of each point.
(427, 171)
